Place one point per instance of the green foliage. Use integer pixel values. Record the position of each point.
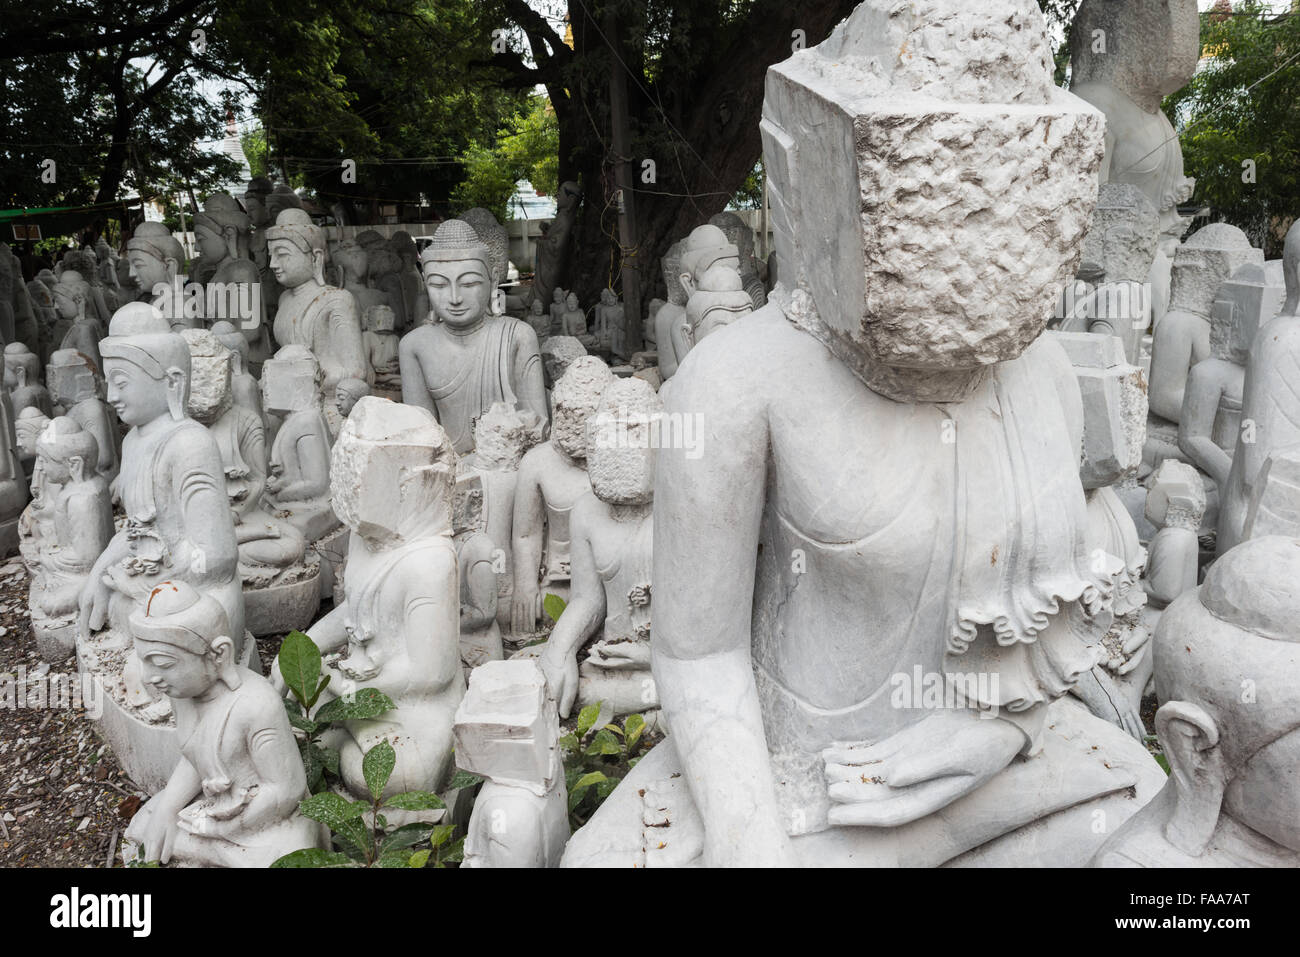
(527, 148)
(554, 606)
(1244, 105)
(597, 755)
(300, 667)
(359, 829)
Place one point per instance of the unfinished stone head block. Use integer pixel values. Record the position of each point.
(621, 441)
(391, 472)
(575, 398)
(917, 250)
(1201, 264)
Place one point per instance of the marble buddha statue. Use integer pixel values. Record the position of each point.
(502, 435)
(271, 550)
(1175, 506)
(353, 264)
(76, 327)
(471, 356)
(1230, 750)
(886, 485)
(232, 800)
(156, 259)
(1120, 247)
(477, 561)
(379, 339)
(558, 304)
(346, 395)
(1270, 401)
(1150, 51)
(1182, 338)
(1212, 418)
(310, 313)
(556, 244)
(384, 276)
(65, 528)
(415, 299)
(507, 731)
(14, 485)
(673, 313)
(392, 473)
(610, 562)
(540, 319)
(707, 252)
(75, 386)
(298, 483)
(607, 326)
(23, 379)
(573, 320)
(552, 480)
(26, 326)
(42, 298)
(172, 485)
(244, 387)
(740, 235)
(222, 231)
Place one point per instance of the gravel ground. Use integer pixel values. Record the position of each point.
(64, 801)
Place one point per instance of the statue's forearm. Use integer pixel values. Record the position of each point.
(711, 704)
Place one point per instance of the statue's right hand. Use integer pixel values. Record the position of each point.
(561, 672)
(525, 611)
(92, 607)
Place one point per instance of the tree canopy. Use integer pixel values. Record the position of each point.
(1239, 120)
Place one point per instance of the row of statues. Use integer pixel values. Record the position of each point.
(884, 472)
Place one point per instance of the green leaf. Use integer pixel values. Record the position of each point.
(464, 779)
(314, 857)
(324, 682)
(554, 606)
(419, 859)
(330, 758)
(366, 703)
(440, 834)
(331, 809)
(408, 835)
(569, 742)
(358, 834)
(1162, 761)
(454, 854)
(299, 664)
(296, 719)
(311, 764)
(377, 767)
(633, 726)
(588, 779)
(415, 801)
(603, 743)
(587, 717)
(394, 858)
(604, 788)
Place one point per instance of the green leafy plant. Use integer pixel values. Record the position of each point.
(300, 666)
(554, 606)
(597, 755)
(361, 832)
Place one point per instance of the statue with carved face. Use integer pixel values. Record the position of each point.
(471, 356)
(312, 314)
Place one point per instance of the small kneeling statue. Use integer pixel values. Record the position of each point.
(233, 799)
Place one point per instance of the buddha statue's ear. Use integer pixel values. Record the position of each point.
(688, 283)
(176, 382)
(20, 376)
(497, 304)
(1199, 772)
(318, 265)
(77, 467)
(173, 266)
(231, 235)
(223, 655)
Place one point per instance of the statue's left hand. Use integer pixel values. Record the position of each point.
(919, 770)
